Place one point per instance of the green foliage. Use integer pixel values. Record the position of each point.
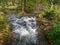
(4, 27)
(50, 1)
(10, 4)
(49, 14)
(57, 42)
(54, 33)
(30, 5)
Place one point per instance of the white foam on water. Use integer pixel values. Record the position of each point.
(25, 28)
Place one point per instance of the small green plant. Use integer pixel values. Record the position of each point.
(54, 33)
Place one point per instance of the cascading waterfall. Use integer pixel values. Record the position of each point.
(24, 28)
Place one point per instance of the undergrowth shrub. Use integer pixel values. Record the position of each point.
(54, 33)
(49, 14)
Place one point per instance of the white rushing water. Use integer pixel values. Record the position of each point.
(25, 29)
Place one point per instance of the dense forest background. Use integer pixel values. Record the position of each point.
(47, 14)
